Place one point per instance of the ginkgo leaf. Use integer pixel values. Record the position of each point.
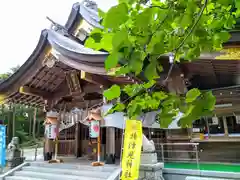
(112, 60)
(112, 93)
(119, 38)
(151, 71)
(116, 16)
(192, 95)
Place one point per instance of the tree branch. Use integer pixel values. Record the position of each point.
(158, 7)
(186, 37)
(160, 24)
(193, 27)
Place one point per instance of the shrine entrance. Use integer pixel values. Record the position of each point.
(67, 141)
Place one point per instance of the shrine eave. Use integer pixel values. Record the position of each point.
(28, 68)
(35, 81)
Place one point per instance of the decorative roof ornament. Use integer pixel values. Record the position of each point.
(91, 4)
(57, 27)
(50, 62)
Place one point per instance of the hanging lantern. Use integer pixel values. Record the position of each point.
(51, 125)
(51, 131)
(94, 129)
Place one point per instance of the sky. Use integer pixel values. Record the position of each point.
(22, 22)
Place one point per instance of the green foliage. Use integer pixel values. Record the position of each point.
(23, 116)
(139, 33)
(112, 61)
(116, 16)
(192, 95)
(4, 76)
(112, 92)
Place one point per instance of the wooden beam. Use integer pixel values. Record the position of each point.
(89, 89)
(34, 92)
(92, 88)
(83, 104)
(95, 79)
(60, 92)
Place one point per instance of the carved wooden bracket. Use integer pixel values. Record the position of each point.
(73, 81)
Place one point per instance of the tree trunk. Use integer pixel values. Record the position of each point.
(13, 121)
(34, 123)
(3, 115)
(38, 127)
(9, 127)
(30, 122)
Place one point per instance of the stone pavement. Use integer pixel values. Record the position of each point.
(30, 154)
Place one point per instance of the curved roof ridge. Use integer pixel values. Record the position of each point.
(73, 16)
(70, 48)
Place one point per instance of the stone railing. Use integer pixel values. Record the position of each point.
(151, 171)
(115, 175)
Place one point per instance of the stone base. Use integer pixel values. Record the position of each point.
(151, 171)
(15, 162)
(148, 158)
(110, 159)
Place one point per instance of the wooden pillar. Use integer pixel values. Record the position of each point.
(225, 126)
(48, 149)
(110, 145)
(77, 141)
(51, 118)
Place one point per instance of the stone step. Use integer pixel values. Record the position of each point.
(74, 172)
(105, 168)
(52, 176)
(21, 178)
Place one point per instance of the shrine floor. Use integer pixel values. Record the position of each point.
(205, 166)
